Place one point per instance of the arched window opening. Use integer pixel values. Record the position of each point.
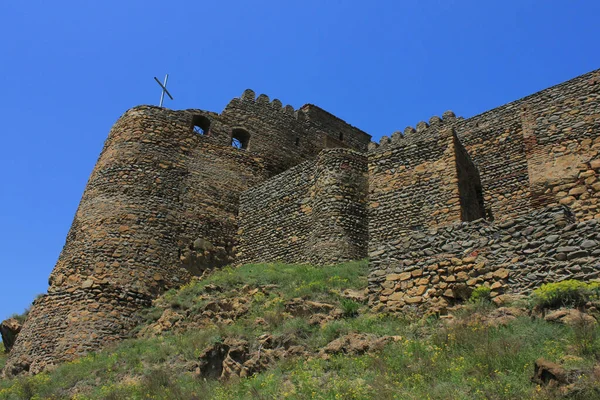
(240, 138)
(297, 141)
(341, 135)
(201, 124)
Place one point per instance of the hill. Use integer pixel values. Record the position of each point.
(273, 331)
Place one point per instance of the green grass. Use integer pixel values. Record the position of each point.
(2, 356)
(464, 360)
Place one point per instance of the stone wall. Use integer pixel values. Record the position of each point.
(284, 136)
(531, 152)
(339, 208)
(160, 205)
(275, 218)
(63, 325)
(504, 164)
(413, 185)
(142, 209)
(314, 212)
(441, 266)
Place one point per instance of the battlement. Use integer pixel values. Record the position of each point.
(275, 106)
(411, 135)
(308, 129)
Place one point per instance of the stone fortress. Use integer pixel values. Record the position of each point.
(508, 199)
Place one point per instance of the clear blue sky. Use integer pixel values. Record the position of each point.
(69, 69)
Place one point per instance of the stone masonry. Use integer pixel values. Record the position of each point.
(508, 199)
(314, 212)
(161, 205)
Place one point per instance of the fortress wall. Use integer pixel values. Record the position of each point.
(339, 207)
(563, 138)
(497, 148)
(275, 218)
(443, 265)
(529, 154)
(162, 201)
(333, 131)
(273, 130)
(161, 204)
(412, 185)
(156, 189)
(534, 151)
(217, 175)
(285, 137)
(128, 214)
(314, 212)
(63, 325)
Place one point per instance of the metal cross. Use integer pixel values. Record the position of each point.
(164, 89)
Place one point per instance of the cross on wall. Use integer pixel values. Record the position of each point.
(164, 89)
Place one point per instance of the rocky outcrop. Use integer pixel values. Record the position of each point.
(357, 343)
(569, 316)
(234, 358)
(9, 329)
(547, 373)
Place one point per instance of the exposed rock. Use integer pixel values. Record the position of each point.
(167, 321)
(211, 360)
(357, 343)
(550, 374)
(233, 358)
(356, 295)
(300, 308)
(570, 316)
(9, 329)
(505, 299)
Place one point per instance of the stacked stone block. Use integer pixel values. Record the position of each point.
(314, 212)
(441, 266)
(413, 184)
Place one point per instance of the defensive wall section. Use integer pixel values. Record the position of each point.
(508, 165)
(315, 212)
(441, 266)
(288, 136)
(161, 205)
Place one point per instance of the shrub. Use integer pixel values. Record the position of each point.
(569, 293)
(585, 336)
(350, 307)
(480, 294)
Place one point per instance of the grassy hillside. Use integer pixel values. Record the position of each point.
(302, 332)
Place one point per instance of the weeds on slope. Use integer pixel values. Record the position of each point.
(432, 360)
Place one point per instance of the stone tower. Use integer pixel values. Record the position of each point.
(161, 205)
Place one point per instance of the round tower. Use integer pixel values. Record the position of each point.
(122, 248)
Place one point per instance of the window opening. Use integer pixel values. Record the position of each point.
(201, 124)
(240, 138)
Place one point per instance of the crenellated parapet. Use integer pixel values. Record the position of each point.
(410, 135)
(249, 96)
(286, 136)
